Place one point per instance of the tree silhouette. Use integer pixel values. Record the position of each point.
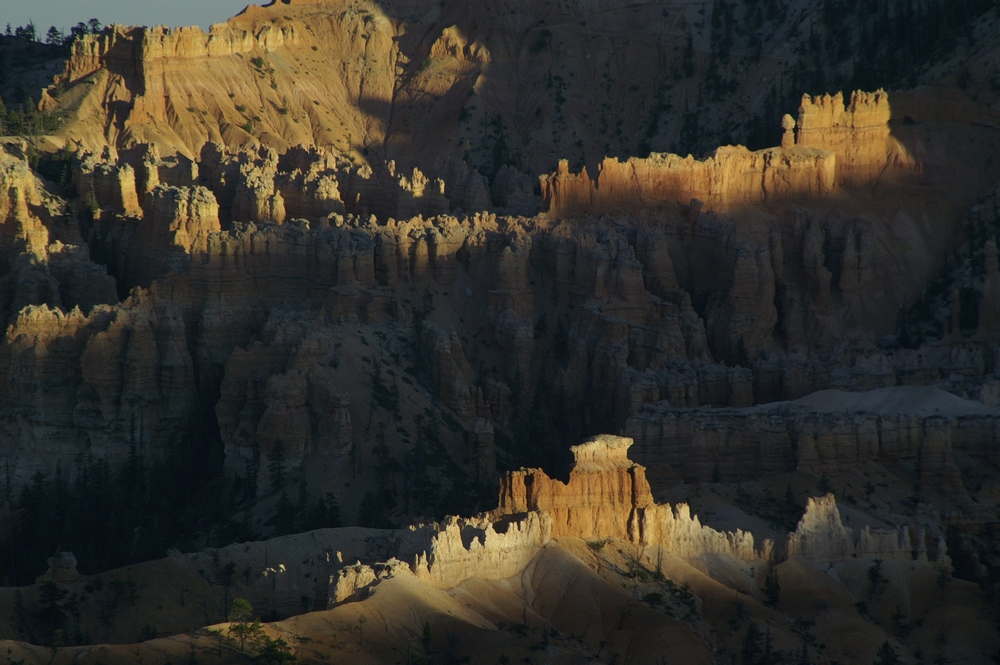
(772, 588)
(886, 655)
(276, 465)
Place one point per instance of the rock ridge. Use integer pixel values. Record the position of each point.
(810, 435)
(835, 146)
(607, 497)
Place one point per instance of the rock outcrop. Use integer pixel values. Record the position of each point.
(283, 390)
(835, 146)
(44, 259)
(586, 319)
(732, 176)
(607, 496)
(62, 570)
(311, 239)
(445, 554)
(822, 536)
(826, 433)
(116, 380)
(857, 133)
(143, 46)
(697, 311)
(604, 492)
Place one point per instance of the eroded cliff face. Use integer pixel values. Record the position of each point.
(352, 306)
(732, 176)
(601, 523)
(834, 146)
(314, 237)
(115, 382)
(858, 132)
(606, 498)
(251, 255)
(43, 258)
(73, 369)
(604, 494)
(392, 80)
(822, 536)
(827, 433)
(279, 75)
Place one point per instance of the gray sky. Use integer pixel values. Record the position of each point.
(65, 13)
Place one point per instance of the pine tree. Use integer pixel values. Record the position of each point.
(240, 613)
(240, 610)
(324, 514)
(77, 31)
(276, 465)
(768, 657)
(875, 578)
(51, 596)
(426, 638)
(26, 32)
(284, 516)
(688, 57)
(886, 655)
(751, 645)
(772, 587)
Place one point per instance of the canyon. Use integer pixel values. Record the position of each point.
(407, 314)
(228, 287)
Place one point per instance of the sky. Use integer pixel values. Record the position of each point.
(66, 13)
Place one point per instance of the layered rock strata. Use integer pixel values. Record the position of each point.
(834, 146)
(607, 496)
(118, 380)
(857, 132)
(264, 185)
(588, 319)
(821, 536)
(732, 176)
(826, 433)
(42, 257)
(696, 310)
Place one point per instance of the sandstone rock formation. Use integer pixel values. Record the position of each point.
(444, 555)
(694, 310)
(732, 176)
(606, 499)
(62, 569)
(826, 433)
(117, 379)
(607, 496)
(585, 319)
(858, 133)
(310, 237)
(834, 147)
(822, 536)
(283, 391)
(42, 256)
(409, 96)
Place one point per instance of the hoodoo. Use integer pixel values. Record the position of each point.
(492, 331)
